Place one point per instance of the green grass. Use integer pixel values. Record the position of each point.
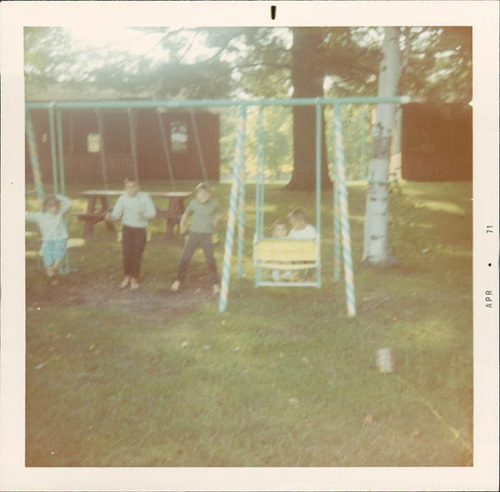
(284, 378)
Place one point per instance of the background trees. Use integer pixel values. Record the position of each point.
(254, 62)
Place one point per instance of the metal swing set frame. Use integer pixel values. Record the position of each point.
(301, 254)
(57, 149)
(287, 254)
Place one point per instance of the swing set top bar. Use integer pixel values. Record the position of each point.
(215, 102)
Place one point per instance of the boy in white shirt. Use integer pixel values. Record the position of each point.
(300, 228)
(134, 208)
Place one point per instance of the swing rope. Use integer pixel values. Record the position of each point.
(166, 150)
(53, 153)
(62, 181)
(133, 144)
(35, 163)
(102, 151)
(259, 206)
(198, 145)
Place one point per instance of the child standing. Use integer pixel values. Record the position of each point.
(51, 223)
(134, 208)
(206, 215)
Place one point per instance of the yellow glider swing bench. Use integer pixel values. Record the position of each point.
(287, 255)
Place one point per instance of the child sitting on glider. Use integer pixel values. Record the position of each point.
(301, 230)
(51, 222)
(134, 208)
(279, 230)
(206, 215)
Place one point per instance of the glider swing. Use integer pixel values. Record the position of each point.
(282, 254)
(269, 252)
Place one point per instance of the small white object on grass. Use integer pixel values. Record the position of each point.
(384, 360)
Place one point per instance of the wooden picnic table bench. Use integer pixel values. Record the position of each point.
(95, 214)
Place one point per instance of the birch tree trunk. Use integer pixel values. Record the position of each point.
(375, 246)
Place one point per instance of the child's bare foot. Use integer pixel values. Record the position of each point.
(215, 289)
(125, 282)
(56, 266)
(175, 286)
(50, 272)
(134, 284)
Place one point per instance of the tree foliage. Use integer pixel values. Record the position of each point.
(437, 64)
(257, 62)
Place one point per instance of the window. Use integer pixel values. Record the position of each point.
(178, 136)
(93, 143)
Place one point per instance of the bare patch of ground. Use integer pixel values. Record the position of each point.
(147, 301)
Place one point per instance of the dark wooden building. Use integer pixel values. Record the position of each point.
(436, 142)
(192, 139)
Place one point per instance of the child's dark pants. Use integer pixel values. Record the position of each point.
(205, 241)
(133, 242)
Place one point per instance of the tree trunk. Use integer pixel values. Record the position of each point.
(307, 81)
(376, 247)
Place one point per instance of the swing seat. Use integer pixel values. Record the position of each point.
(286, 254)
(72, 242)
(33, 254)
(75, 242)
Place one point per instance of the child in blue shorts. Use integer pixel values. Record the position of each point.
(50, 221)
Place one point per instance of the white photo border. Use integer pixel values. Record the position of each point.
(482, 16)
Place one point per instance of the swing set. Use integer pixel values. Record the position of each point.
(293, 254)
(268, 253)
(57, 151)
(57, 175)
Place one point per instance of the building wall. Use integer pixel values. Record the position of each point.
(436, 142)
(81, 143)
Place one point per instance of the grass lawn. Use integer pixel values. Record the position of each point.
(284, 378)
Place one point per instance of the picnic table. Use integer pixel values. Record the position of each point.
(98, 206)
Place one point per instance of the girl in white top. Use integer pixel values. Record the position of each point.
(52, 225)
(134, 208)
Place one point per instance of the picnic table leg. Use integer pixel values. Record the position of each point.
(175, 211)
(105, 208)
(89, 224)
